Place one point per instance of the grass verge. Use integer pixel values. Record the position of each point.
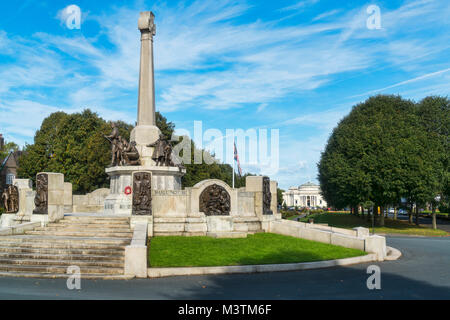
(260, 248)
(346, 220)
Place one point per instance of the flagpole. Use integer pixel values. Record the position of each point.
(234, 160)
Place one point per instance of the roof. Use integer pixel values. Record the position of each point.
(4, 161)
(15, 155)
(308, 184)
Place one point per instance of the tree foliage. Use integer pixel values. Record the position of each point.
(8, 147)
(385, 149)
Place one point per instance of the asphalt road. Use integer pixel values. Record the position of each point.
(423, 272)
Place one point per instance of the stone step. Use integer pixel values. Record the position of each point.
(53, 262)
(61, 256)
(59, 269)
(83, 229)
(75, 241)
(92, 233)
(92, 219)
(89, 226)
(84, 276)
(181, 233)
(112, 251)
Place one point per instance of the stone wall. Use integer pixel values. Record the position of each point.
(91, 202)
(358, 238)
(177, 212)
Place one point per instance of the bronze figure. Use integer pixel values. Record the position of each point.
(162, 152)
(41, 198)
(142, 193)
(114, 139)
(267, 196)
(130, 154)
(215, 201)
(10, 199)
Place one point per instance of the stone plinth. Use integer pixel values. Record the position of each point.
(163, 178)
(68, 201)
(273, 191)
(144, 135)
(55, 197)
(26, 199)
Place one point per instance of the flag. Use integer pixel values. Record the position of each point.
(236, 158)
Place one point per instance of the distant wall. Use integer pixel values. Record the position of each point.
(91, 202)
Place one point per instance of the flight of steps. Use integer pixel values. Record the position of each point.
(94, 243)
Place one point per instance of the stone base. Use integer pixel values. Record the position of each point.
(42, 218)
(143, 219)
(118, 204)
(7, 220)
(143, 136)
(227, 234)
(163, 178)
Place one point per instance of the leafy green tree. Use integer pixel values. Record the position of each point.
(72, 144)
(280, 196)
(8, 147)
(371, 156)
(216, 170)
(434, 116)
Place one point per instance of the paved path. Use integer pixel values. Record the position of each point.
(423, 272)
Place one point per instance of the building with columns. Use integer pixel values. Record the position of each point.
(306, 195)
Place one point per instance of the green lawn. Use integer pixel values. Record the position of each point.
(346, 220)
(260, 248)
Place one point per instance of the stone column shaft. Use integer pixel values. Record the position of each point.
(146, 100)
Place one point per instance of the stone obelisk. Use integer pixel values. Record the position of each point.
(146, 131)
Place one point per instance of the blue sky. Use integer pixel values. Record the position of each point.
(296, 66)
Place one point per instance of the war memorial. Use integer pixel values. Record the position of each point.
(46, 228)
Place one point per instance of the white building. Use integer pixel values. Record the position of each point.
(306, 195)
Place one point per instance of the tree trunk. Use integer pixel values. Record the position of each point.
(417, 215)
(362, 212)
(381, 216)
(410, 214)
(433, 217)
(375, 215)
(395, 213)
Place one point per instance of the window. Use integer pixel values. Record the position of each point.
(10, 178)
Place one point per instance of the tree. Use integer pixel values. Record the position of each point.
(434, 115)
(216, 170)
(280, 196)
(8, 147)
(375, 154)
(72, 144)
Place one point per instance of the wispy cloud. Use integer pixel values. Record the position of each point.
(402, 83)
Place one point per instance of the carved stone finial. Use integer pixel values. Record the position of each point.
(146, 22)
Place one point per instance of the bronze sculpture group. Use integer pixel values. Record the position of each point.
(122, 152)
(10, 199)
(267, 196)
(142, 193)
(41, 198)
(215, 201)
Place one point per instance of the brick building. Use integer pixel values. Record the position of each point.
(8, 166)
